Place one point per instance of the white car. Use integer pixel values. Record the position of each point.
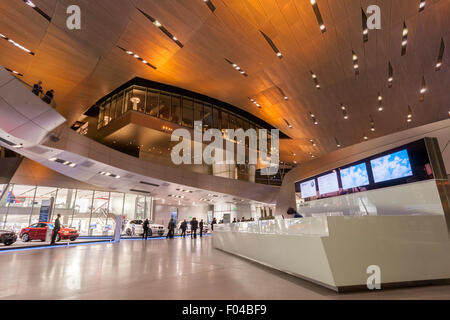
(134, 228)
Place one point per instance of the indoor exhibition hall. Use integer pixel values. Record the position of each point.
(224, 150)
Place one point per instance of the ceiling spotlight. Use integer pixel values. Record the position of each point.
(136, 56)
(422, 5)
(337, 142)
(157, 23)
(30, 3)
(288, 124)
(380, 102)
(366, 137)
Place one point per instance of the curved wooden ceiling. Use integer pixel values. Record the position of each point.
(84, 65)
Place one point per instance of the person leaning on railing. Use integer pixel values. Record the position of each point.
(292, 211)
(48, 98)
(37, 89)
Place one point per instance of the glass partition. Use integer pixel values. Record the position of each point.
(164, 106)
(188, 113)
(152, 103)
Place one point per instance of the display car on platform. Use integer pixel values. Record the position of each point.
(7, 237)
(38, 231)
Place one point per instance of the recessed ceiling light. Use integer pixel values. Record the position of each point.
(236, 67)
(422, 5)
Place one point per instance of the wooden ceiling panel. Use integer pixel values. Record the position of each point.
(83, 65)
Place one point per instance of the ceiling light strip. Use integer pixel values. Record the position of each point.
(313, 118)
(390, 75)
(316, 80)
(318, 16)
(404, 38)
(423, 90)
(210, 5)
(136, 56)
(355, 63)
(409, 116)
(16, 44)
(254, 102)
(236, 67)
(14, 72)
(344, 112)
(38, 10)
(162, 28)
(365, 31)
(272, 45)
(441, 55)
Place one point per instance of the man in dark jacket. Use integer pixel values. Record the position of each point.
(194, 227)
(171, 228)
(292, 211)
(37, 88)
(201, 228)
(213, 223)
(56, 229)
(48, 98)
(183, 228)
(145, 228)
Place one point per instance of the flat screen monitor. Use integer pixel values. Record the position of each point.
(392, 166)
(308, 188)
(354, 176)
(328, 183)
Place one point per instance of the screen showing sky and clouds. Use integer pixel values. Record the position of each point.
(354, 176)
(308, 189)
(328, 183)
(393, 166)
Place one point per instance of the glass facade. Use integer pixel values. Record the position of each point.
(90, 212)
(171, 107)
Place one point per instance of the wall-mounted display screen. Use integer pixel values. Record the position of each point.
(392, 166)
(354, 176)
(328, 183)
(405, 164)
(308, 189)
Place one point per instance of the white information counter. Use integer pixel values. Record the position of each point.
(336, 252)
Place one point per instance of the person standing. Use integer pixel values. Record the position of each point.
(201, 228)
(171, 228)
(292, 211)
(213, 223)
(194, 227)
(183, 228)
(56, 229)
(49, 95)
(37, 88)
(145, 227)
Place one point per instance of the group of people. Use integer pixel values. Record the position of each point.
(49, 95)
(235, 220)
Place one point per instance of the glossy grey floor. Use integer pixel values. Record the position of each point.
(162, 269)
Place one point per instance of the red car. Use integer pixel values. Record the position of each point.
(38, 231)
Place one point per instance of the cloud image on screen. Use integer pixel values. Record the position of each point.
(355, 176)
(392, 166)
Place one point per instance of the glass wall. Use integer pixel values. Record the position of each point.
(170, 107)
(90, 212)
